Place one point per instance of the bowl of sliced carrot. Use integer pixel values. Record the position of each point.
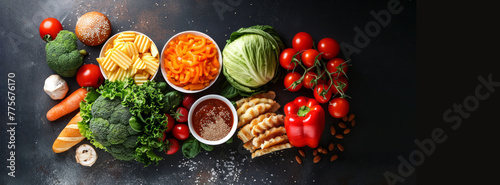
(191, 61)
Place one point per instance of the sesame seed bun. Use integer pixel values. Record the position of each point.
(93, 28)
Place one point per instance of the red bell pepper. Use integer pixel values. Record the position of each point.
(304, 122)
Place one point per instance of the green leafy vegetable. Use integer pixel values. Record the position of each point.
(191, 147)
(251, 58)
(62, 54)
(126, 120)
(172, 100)
(206, 147)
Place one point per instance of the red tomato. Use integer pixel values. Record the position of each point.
(89, 75)
(290, 79)
(181, 131)
(302, 41)
(309, 57)
(342, 83)
(338, 107)
(329, 48)
(308, 80)
(181, 115)
(49, 28)
(173, 147)
(286, 58)
(170, 124)
(188, 100)
(319, 89)
(336, 66)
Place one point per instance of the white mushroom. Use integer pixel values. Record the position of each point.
(55, 87)
(86, 155)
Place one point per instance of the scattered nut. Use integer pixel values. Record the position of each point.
(315, 152)
(344, 118)
(324, 151)
(340, 147)
(347, 130)
(320, 150)
(331, 146)
(317, 159)
(334, 157)
(342, 125)
(297, 158)
(351, 117)
(353, 123)
(332, 130)
(302, 153)
(339, 136)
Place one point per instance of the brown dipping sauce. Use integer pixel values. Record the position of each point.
(212, 119)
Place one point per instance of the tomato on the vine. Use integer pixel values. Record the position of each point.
(89, 75)
(338, 107)
(308, 80)
(341, 82)
(180, 131)
(302, 41)
(181, 115)
(329, 48)
(49, 28)
(290, 79)
(173, 147)
(286, 58)
(188, 100)
(337, 66)
(309, 57)
(320, 89)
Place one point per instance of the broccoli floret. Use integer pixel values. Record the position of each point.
(110, 127)
(62, 54)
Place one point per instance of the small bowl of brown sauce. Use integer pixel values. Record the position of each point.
(212, 119)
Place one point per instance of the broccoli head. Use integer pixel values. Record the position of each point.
(110, 127)
(62, 54)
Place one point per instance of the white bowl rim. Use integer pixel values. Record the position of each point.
(101, 53)
(164, 73)
(231, 107)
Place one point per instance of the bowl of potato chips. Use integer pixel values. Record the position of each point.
(129, 54)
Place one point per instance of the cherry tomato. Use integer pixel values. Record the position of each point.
(302, 41)
(180, 131)
(286, 58)
(173, 147)
(188, 100)
(309, 57)
(49, 28)
(320, 88)
(308, 80)
(338, 107)
(329, 48)
(341, 82)
(89, 75)
(181, 115)
(291, 78)
(336, 66)
(170, 124)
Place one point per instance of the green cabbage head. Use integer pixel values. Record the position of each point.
(251, 57)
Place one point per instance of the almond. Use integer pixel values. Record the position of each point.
(351, 117)
(320, 150)
(334, 157)
(347, 130)
(332, 130)
(340, 147)
(315, 152)
(301, 152)
(331, 146)
(297, 158)
(339, 136)
(342, 125)
(317, 159)
(344, 118)
(353, 123)
(324, 151)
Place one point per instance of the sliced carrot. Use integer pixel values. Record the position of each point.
(68, 105)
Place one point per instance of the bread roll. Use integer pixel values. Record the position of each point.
(93, 28)
(69, 136)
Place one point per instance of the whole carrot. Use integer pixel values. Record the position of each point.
(68, 105)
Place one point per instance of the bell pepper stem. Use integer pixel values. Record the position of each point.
(303, 111)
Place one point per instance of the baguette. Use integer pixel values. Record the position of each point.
(69, 136)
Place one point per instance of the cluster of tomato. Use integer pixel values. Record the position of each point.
(320, 67)
(180, 131)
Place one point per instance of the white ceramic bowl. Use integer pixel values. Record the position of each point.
(110, 41)
(233, 111)
(164, 72)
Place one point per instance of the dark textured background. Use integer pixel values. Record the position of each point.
(382, 84)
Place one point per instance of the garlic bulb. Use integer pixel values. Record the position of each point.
(55, 87)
